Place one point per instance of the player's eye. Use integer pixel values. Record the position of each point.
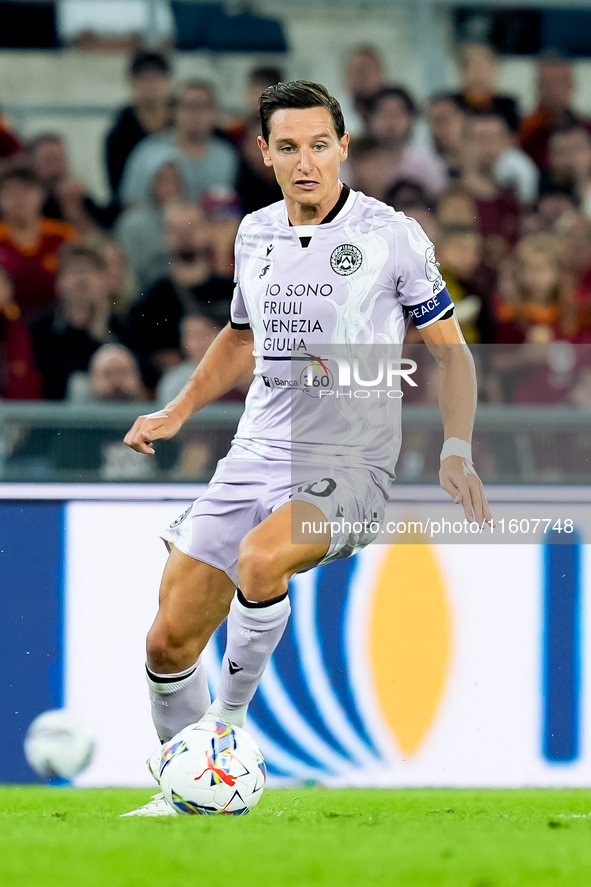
(319, 147)
(288, 149)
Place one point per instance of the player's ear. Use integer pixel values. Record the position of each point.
(264, 151)
(344, 143)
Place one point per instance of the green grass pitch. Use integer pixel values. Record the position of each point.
(61, 837)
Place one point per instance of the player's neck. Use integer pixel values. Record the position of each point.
(312, 214)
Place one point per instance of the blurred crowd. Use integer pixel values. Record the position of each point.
(118, 301)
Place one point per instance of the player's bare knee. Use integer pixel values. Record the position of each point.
(166, 654)
(257, 568)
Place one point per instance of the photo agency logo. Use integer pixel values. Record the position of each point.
(359, 377)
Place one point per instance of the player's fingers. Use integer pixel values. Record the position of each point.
(462, 494)
(450, 487)
(482, 512)
(486, 509)
(140, 436)
(477, 497)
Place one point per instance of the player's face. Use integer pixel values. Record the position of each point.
(305, 152)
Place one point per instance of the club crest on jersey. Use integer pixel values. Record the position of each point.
(432, 270)
(346, 259)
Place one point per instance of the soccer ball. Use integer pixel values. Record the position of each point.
(211, 767)
(58, 743)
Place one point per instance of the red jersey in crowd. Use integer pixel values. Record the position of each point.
(33, 269)
(9, 144)
(19, 378)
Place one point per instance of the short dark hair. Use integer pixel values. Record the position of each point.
(196, 86)
(19, 172)
(408, 192)
(299, 94)
(45, 138)
(474, 115)
(452, 97)
(146, 61)
(568, 130)
(267, 74)
(393, 92)
(70, 252)
(362, 147)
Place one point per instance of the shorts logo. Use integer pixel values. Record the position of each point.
(346, 259)
(267, 381)
(322, 488)
(181, 517)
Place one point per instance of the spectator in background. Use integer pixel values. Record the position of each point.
(9, 144)
(458, 253)
(67, 336)
(554, 200)
(405, 193)
(29, 243)
(364, 76)
(258, 81)
(456, 212)
(65, 198)
(531, 307)
(140, 229)
(497, 209)
(555, 89)
(456, 206)
(368, 168)
(509, 166)
(478, 67)
(19, 378)
(196, 333)
(121, 282)
(569, 163)
(573, 236)
(446, 120)
(205, 161)
(190, 286)
(149, 113)
(256, 184)
(391, 115)
(411, 199)
(113, 375)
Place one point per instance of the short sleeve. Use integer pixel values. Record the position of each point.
(420, 288)
(239, 319)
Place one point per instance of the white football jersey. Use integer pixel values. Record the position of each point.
(355, 280)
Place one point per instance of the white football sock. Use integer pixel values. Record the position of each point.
(253, 631)
(178, 700)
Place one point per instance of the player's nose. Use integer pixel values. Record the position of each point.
(305, 162)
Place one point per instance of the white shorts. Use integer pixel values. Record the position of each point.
(243, 492)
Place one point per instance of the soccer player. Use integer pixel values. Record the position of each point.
(361, 271)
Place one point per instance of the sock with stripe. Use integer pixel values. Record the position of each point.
(177, 700)
(254, 629)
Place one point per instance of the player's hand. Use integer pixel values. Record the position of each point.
(146, 429)
(458, 478)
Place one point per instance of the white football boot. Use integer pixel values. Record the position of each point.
(158, 806)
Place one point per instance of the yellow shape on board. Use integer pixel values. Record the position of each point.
(410, 642)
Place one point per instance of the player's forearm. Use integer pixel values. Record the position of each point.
(226, 362)
(457, 391)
